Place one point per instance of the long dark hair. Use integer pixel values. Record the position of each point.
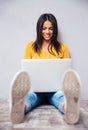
(39, 39)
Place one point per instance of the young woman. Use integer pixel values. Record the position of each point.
(46, 45)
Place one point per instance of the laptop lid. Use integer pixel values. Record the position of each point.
(45, 74)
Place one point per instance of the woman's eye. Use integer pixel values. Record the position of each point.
(43, 28)
(51, 28)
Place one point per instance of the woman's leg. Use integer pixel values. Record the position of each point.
(32, 101)
(57, 99)
(68, 100)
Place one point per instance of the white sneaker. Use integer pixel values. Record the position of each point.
(19, 88)
(71, 87)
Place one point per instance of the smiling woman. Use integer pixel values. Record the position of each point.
(46, 46)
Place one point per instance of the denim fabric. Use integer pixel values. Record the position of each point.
(54, 98)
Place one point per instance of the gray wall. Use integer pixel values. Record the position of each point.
(17, 27)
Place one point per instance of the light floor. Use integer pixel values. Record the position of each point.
(45, 117)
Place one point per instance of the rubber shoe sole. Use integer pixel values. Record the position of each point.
(19, 88)
(71, 87)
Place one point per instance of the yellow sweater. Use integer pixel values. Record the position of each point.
(31, 54)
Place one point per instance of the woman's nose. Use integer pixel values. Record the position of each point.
(47, 30)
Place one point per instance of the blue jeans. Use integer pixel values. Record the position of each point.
(35, 99)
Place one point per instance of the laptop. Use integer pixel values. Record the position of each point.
(46, 74)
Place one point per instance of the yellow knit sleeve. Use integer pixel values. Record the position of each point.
(65, 51)
(28, 51)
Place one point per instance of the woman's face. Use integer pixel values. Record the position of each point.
(47, 31)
